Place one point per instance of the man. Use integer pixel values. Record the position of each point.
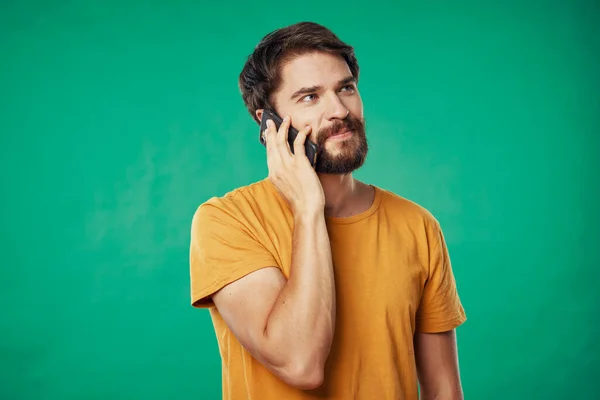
(320, 286)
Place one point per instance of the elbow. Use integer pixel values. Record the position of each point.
(301, 367)
(304, 375)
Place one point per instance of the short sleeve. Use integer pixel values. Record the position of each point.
(222, 250)
(440, 308)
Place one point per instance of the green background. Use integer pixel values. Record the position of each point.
(119, 119)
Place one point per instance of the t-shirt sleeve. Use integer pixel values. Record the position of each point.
(222, 250)
(440, 309)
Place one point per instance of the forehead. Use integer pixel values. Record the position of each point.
(313, 69)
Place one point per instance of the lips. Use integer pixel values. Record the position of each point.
(340, 130)
(341, 133)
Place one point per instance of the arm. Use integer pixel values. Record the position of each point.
(439, 313)
(288, 325)
(437, 366)
(291, 329)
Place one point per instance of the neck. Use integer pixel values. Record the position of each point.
(342, 193)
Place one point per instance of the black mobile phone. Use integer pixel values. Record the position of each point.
(309, 147)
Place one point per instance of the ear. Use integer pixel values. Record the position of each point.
(259, 113)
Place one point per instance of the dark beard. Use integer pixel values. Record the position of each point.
(353, 153)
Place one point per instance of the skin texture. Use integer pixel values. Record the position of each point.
(437, 366)
(289, 328)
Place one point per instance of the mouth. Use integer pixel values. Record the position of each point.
(341, 135)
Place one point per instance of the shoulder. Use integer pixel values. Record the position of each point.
(406, 208)
(409, 214)
(238, 204)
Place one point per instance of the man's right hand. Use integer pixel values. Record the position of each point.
(292, 174)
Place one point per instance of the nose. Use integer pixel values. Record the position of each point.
(335, 108)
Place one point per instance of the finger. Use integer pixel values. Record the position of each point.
(283, 146)
(283, 130)
(270, 135)
(300, 139)
(273, 153)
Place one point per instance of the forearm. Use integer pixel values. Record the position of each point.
(457, 395)
(437, 366)
(444, 390)
(301, 324)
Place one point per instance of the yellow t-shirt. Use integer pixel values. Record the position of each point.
(392, 273)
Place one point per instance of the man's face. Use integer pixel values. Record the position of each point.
(318, 89)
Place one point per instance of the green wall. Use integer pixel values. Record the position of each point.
(118, 120)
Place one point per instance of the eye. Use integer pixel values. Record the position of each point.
(307, 97)
(347, 88)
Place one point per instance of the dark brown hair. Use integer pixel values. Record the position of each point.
(260, 77)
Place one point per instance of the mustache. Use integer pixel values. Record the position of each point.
(347, 124)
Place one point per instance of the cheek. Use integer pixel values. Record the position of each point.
(354, 105)
(356, 109)
(314, 125)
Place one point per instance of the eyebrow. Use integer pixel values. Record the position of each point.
(312, 89)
